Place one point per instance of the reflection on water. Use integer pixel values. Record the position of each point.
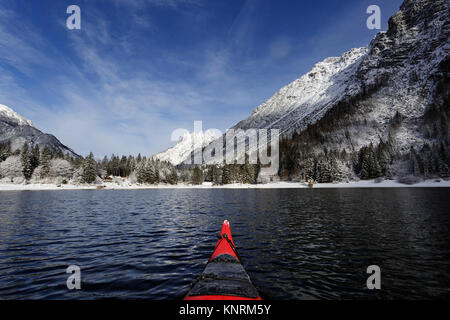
(295, 244)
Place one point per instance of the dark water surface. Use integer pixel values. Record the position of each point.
(295, 244)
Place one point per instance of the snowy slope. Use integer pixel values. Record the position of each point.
(306, 99)
(18, 130)
(9, 114)
(182, 150)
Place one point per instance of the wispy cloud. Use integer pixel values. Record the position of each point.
(240, 34)
(17, 50)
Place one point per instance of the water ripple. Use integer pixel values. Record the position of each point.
(295, 244)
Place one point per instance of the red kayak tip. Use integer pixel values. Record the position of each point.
(225, 247)
(224, 277)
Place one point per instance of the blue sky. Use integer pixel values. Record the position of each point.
(139, 69)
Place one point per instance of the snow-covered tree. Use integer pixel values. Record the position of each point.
(11, 167)
(227, 175)
(26, 158)
(5, 150)
(172, 178)
(197, 176)
(45, 158)
(35, 157)
(60, 168)
(89, 169)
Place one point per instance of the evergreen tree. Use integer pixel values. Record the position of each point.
(27, 168)
(323, 171)
(90, 169)
(226, 174)
(368, 165)
(76, 162)
(156, 176)
(5, 150)
(444, 170)
(35, 157)
(248, 172)
(105, 164)
(114, 166)
(309, 168)
(257, 169)
(172, 178)
(197, 176)
(210, 173)
(141, 172)
(414, 162)
(123, 170)
(46, 156)
(217, 175)
(335, 173)
(375, 167)
(59, 154)
(365, 168)
(234, 171)
(384, 161)
(146, 172)
(131, 165)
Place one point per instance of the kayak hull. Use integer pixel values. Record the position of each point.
(224, 277)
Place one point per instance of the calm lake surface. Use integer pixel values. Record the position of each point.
(295, 244)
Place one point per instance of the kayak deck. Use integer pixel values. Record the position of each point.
(224, 277)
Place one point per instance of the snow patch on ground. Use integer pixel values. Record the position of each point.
(207, 185)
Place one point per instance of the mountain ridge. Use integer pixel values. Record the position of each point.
(18, 130)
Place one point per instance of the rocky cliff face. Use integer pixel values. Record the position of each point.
(18, 130)
(405, 67)
(395, 120)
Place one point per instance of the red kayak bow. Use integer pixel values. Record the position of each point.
(224, 277)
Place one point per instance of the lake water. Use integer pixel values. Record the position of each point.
(295, 244)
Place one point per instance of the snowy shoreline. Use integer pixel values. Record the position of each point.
(206, 185)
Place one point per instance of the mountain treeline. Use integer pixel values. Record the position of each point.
(153, 171)
(32, 162)
(142, 169)
(34, 165)
(315, 154)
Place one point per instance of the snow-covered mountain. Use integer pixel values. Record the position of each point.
(306, 99)
(346, 103)
(8, 114)
(182, 150)
(18, 130)
(398, 72)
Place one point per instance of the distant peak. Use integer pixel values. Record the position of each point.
(9, 113)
